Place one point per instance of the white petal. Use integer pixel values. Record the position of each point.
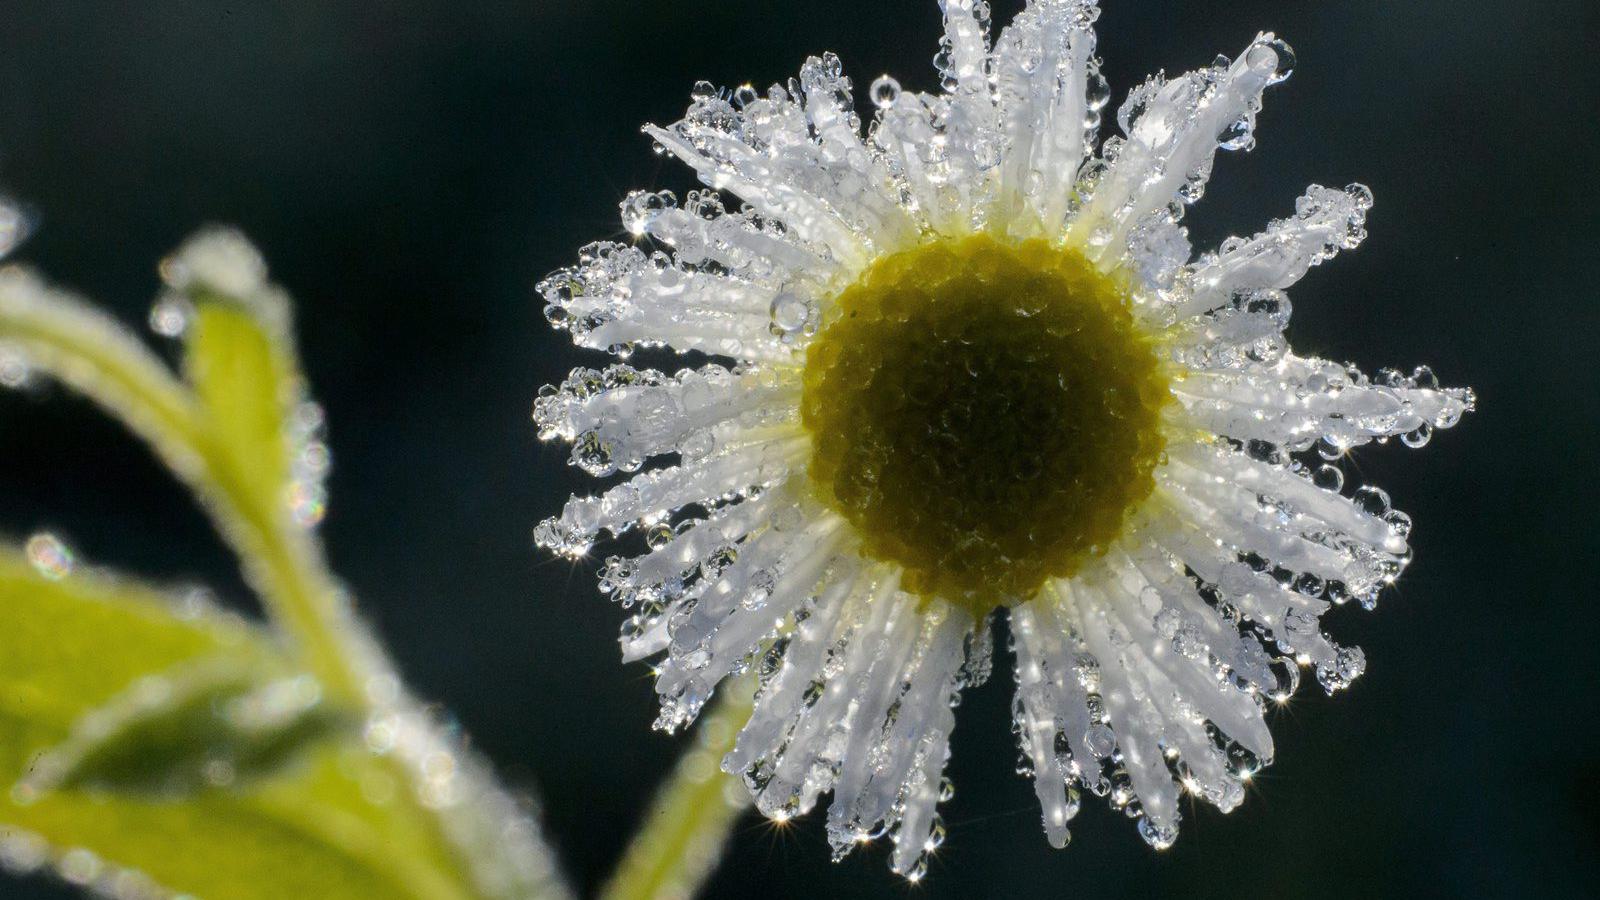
(1049, 91)
(1298, 400)
(764, 461)
(621, 416)
(1291, 494)
(719, 626)
(781, 700)
(746, 244)
(656, 583)
(1325, 222)
(1127, 708)
(806, 761)
(902, 730)
(1173, 131)
(1051, 715)
(617, 297)
(797, 157)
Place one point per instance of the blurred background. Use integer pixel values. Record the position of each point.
(411, 168)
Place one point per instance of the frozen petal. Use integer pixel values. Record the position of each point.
(1325, 222)
(1173, 129)
(1050, 94)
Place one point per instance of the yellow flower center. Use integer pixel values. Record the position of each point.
(985, 414)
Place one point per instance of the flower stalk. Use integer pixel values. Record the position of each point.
(686, 830)
(203, 432)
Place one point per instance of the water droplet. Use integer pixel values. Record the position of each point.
(14, 368)
(171, 314)
(15, 226)
(1418, 437)
(1329, 478)
(640, 207)
(1097, 92)
(789, 312)
(1158, 836)
(1372, 500)
(884, 92)
(1167, 622)
(308, 503)
(1188, 643)
(658, 536)
(1100, 740)
(1286, 60)
(49, 556)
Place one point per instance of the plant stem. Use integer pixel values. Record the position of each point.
(284, 564)
(683, 836)
(81, 347)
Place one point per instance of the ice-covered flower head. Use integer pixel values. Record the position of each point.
(960, 362)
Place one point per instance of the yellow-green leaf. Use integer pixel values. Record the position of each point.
(337, 822)
(215, 722)
(245, 383)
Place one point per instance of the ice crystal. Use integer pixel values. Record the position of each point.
(1143, 674)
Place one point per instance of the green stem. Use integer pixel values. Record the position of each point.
(78, 345)
(91, 353)
(687, 828)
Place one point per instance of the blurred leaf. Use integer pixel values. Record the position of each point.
(338, 822)
(245, 382)
(216, 722)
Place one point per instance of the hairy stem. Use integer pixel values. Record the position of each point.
(83, 348)
(683, 836)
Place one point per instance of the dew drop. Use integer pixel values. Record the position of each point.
(14, 369)
(1097, 92)
(789, 312)
(1419, 437)
(658, 536)
(1329, 478)
(49, 556)
(79, 866)
(15, 226)
(171, 315)
(1100, 740)
(1372, 500)
(1158, 836)
(884, 92)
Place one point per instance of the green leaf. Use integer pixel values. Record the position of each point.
(246, 385)
(239, 358)
(335, 822)
(215, 722)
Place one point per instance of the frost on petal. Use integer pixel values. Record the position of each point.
(703, 233)
(1173, 130)
(858, 701)
(945, 149)
(1325, 221)
(796, 156)
(1131, 686)
(618, 297)
(1298, 401)
(760, 460)
(1050, 94)
(1285, 535)
(618, 417)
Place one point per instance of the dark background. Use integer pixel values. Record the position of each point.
(411, 168)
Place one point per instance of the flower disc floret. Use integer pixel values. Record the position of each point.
(985, 413)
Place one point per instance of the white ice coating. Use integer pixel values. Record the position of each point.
(1146, 676)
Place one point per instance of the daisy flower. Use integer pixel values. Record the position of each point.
(956, 363)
